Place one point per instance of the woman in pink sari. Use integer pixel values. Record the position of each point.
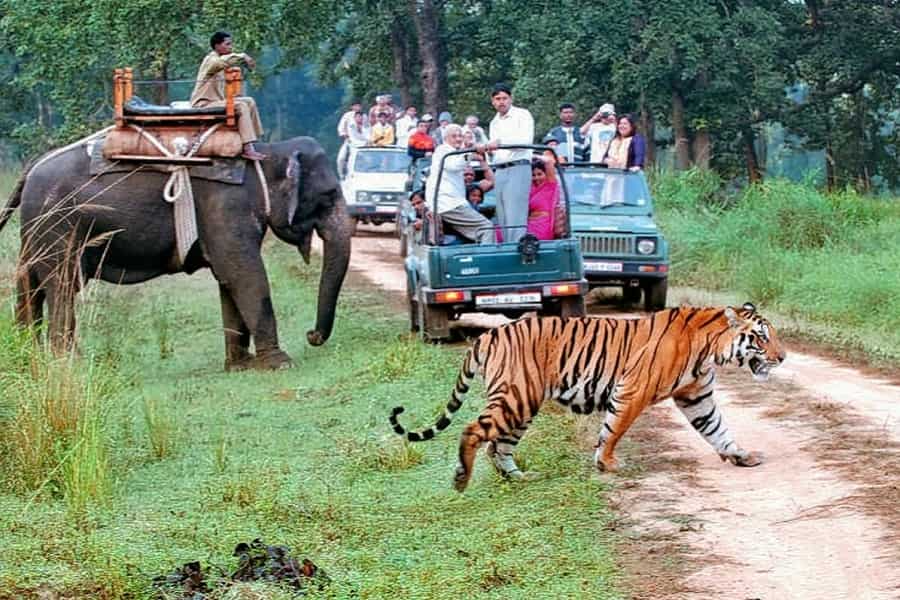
(543, 198)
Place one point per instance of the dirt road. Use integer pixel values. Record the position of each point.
(819, 519)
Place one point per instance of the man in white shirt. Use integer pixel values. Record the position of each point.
(344, 134)
(511, 125)
(452, 205)
(405, 125)
(600, 129)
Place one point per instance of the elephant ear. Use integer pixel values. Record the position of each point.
(318, 187)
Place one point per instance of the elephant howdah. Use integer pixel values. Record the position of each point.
(115, 226)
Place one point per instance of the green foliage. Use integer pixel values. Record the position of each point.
(830, 259)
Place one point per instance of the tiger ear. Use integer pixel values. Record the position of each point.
(749, 307)
(732, 317)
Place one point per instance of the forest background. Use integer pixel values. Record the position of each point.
(807, 89)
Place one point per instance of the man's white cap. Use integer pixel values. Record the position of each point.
(608, 108)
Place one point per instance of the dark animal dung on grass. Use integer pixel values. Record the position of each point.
(256, 562)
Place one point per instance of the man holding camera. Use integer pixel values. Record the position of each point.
(600, 129)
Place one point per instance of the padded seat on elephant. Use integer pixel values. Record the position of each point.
(138, 106)
(136, 110)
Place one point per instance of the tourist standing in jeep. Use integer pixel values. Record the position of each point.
(210, 90)
(511, 125)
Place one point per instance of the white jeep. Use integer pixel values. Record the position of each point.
(374, 183)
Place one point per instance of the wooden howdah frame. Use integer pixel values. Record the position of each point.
(124, 143)
(123, 90)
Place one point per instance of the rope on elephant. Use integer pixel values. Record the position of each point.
(178, 190)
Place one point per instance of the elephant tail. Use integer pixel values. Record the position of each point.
(15, 198)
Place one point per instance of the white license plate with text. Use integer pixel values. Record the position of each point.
(594, 265)
(496, 299)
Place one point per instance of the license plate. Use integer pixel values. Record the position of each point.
(497, 299)
(593, 265)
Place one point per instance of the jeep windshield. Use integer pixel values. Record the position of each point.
(592, 189)
(381, 161)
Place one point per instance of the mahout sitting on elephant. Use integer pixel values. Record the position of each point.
(116, 227)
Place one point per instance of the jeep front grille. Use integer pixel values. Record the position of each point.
(606, 244)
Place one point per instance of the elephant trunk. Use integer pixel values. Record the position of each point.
(336, 235)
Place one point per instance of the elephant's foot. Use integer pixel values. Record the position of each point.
(315, 338)
(239, 362)
(272, 360)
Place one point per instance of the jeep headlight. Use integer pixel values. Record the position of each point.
(646, 246)
(362, 197)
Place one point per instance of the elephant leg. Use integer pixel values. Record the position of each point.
(61, 289)
(237, 335)
(29, 300)
(244, 277)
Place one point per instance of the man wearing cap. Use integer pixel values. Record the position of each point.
(209, 90)
(511, 125)
(420, 142)
(444, 119)
(567, 134)
(452, 205)
(600, 129)
(382, 105)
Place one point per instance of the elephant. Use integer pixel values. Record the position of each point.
(75, 227)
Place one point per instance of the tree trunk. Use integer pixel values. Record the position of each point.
(648, 128)
(680, 133)
(831, 174)
(431, 52)
(754, 174)
(701, 148)
(401, 68)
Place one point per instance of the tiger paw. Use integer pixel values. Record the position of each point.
(609, 465)
(518, 475)
(460, 478)
(745, 459)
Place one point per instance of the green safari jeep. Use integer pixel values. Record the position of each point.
(612, 218)
(447, 278)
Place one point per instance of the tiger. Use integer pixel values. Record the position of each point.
(615, 366)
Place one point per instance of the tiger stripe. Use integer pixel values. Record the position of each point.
(616, 367)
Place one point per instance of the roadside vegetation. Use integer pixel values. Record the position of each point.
(142, 455)
(826, 261)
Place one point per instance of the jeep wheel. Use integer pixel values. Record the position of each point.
(413, 314)
(570, 306)
(435, 323)
(655, 295)
(631, 295)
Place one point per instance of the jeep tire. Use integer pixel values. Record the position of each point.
(631, 294)
(655, 295)
(434, 322)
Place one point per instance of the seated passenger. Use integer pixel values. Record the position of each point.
(543, 198)
(209, 90)
(382, 131)
(420, 143)
(452, 205)
(486, 183)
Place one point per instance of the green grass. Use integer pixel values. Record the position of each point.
(829, 263)
(197, 460)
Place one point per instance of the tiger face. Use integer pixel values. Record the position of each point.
(756, 342)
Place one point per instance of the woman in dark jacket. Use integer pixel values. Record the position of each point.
(628, 148)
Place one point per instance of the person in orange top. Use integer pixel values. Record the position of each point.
(421, 143)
